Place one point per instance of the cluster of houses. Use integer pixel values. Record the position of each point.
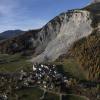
(47, 76)
(44, 76)
(3, 97)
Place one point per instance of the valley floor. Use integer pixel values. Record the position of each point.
(79, 89)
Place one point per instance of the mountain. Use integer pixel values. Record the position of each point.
(59, 34)
(77, 31)
(86, 51)
(19, 43)
(56, 37)
(1, 38)
(10, 34)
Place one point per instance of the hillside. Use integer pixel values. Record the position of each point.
(59, 61)
(88, 55)
(19, 43)
(87, 50)
(57, 37)
(10, 34)
(1, 38)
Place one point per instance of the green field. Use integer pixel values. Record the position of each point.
(15, 62)
(12, 63)
(34, 94)
(70, 66)
(74, 97)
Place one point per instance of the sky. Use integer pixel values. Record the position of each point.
(33, 14)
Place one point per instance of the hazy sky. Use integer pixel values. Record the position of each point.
(31, 14)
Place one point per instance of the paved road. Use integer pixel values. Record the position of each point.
(63, 94)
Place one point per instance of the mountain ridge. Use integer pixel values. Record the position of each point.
(52, 28)
(11, 34)
(59, 36)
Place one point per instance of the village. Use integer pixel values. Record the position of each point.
(44, 76)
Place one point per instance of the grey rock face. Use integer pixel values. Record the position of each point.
(57, 36)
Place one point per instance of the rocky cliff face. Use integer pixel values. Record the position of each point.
(59, 34)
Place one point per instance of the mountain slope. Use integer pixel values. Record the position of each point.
(87, 50)
(87, 53)
(74, 25)
(11, 33)
(59, 35)
(1, 38)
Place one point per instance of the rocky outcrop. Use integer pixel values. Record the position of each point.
(62, 33)
(58, 35)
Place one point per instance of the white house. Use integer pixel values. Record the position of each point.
(34, 68)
